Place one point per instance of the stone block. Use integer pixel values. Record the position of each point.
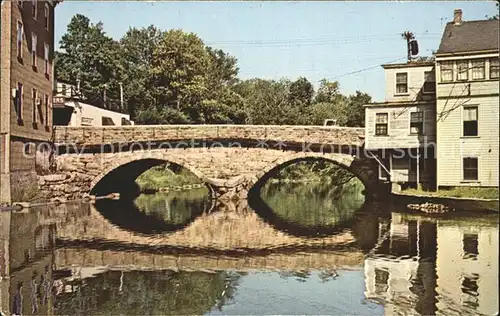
(54, 177)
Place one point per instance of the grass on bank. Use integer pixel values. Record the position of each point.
(162, 176)
(462, 192)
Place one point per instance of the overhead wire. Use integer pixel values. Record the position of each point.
(312, 41)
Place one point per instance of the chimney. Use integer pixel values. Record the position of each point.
(457, 17)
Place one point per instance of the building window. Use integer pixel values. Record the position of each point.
(463, 70)
(46, 15)
(429, 82)
(46, 49)
(381, 122)
(34, 8)
(402, 82)
(34, 40)
(381, 280)
(46, 110)
(447, 71)
(470, 245)
(470, 291)
(19, 101)
(494, 68)
(417, 123)
(470, 121)
(34, 104)
(19, 39)
(478, 69)
(470, 168)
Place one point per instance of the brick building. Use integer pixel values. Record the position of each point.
(27, 36)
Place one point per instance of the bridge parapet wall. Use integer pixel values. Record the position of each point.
(92, 136)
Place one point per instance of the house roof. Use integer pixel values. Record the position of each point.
(412, 63)
(399, 103)
(470, 36)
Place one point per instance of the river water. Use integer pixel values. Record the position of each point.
(295, 249)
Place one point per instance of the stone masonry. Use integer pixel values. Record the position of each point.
(229, 172)
(96, 136)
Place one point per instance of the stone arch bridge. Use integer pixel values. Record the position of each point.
(229, 159)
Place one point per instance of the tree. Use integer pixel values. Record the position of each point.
(268, 102)
(328, 92)
(301, 92)
(179, 71)
(355, 109)
(91, 58)
(137, 46)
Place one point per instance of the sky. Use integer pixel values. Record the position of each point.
(345, 41)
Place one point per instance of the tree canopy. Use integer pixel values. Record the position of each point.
(173, 77)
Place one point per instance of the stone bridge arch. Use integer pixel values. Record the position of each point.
(228, 172)
(363, 169)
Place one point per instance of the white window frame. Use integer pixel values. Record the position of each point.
(468, 67)
(20, 105)
(452, 63)
(46, 54)
(34, 9)
(423, 122)
(489, 68)
(34, 95)
(478, 168)
(19, 47)
(396, 83)
(484, 68)
(388, 118)
(423, 86)
(46, 13)
(462, 120)
(46, 100)
(34, 44)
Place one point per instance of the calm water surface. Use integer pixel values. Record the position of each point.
(296, 249)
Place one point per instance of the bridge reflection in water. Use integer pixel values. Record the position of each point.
(76, 259)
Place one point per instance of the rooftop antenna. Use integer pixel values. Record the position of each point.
(412, 44)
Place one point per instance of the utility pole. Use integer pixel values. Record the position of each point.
(104, 97)
(121, 96)
(408, 36)
(418, 168)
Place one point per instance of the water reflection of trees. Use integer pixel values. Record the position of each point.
(302, 276)
(155, 213)
(148, 293)
(313, 204)
(174, 207)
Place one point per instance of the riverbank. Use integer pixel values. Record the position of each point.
(456, 203)
(164, 176)
(459, 192)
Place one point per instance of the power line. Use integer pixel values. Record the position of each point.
(364, 69)
(327, 40)
(321, 68)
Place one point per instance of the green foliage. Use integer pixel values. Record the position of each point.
(90, 57)
(175, 207)
(172, 77)
(316, 204)
(147, 293)
(164, 176)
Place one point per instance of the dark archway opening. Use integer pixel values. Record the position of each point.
(310, 196)
(153, 212)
